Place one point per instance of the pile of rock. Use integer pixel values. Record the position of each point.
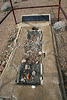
(6, 7)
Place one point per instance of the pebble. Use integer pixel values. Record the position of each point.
(37, 62)
(2, 52)
(33, 73)
(26, 66)
(23, 60)
(29, 67)
(9, 46)
(4, 62)
(40, 53)
(22, 80)
(15, 31)
(33, 87)
(9, 40)
(14, 1)
(7, 56)
(12, 39)
(65, 74)
(12, 49)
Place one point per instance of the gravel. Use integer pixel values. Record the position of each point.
(6, 7)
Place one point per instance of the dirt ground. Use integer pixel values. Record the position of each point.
(8, 25)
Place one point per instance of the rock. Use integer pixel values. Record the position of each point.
(29, 67)
(40, 53)
(9, 46)
(15, 30)
(23, 61)
(4, 62)
(37, 62)
(2, 52)
(6, 7)
(35, 28)
(7, 56)
(65, 74)
(4, 55)
(12, 39)
(22, 80)
(12, 49)
(33, 73)
(33, 87)
(26, 66)
(14, 1)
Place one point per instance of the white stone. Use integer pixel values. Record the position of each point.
(26, 66)
(33, 87)
(23, 60)
(40, 53)
(41, 82)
